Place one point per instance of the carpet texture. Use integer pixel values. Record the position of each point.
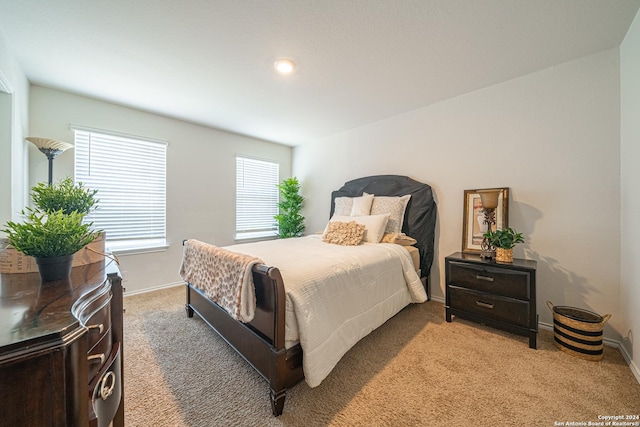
(415, 370)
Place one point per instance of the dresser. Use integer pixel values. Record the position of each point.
(61, 349)
(501, 295)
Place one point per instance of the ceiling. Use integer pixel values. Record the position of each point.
(358, 61)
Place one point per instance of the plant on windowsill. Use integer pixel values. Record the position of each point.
(55, 230)
(290, 221)
(504, 241)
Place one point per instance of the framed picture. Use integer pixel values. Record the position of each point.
(473, 226)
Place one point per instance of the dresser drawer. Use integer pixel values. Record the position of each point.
(98, 354)
(497, 281)
(504, 309)
(106, 390)
(94, 312)
(99, 321)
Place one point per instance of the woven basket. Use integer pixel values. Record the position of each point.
(504, 255)
(578, 332)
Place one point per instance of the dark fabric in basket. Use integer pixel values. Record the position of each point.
(578, 314)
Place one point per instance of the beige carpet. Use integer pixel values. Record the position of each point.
(415, 370)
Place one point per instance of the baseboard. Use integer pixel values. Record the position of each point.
(155, 288)
(627, 357)
(438, 299)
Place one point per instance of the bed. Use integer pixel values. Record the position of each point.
(265, 342)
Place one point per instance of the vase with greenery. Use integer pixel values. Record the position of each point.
(290, 221)
(504, 241)
(55, 229)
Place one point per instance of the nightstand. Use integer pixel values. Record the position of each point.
(501, 295)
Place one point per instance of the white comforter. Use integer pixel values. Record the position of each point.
(336, 295)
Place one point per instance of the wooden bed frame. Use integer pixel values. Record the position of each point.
(261, 342)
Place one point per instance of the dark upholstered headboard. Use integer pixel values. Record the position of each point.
(419, 217)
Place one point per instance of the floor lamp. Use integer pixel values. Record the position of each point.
(51, 148)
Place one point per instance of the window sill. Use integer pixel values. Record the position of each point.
(254, 239)
(255, 236)
(135, 248)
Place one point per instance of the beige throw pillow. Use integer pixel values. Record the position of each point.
(343, 233)
(399, 239)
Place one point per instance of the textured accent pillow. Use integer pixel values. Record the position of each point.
(399, 239)
(374, 225)
(343, 233)
(395, 207)
(362, 205)
(343, 206)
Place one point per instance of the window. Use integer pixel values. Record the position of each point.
(256, 198)
(130, 176)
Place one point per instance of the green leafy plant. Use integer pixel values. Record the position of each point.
(65, 196)
(505, 239)
(290, 221)
(52, 234)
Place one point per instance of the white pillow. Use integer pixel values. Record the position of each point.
(362, 205)
(395, 207)
(374, 225)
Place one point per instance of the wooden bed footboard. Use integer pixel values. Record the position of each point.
(260, 342)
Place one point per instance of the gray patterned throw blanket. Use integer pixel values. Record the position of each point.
(224, 276)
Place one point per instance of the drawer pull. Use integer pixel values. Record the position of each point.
(484, 304)
(96, 357)
(485, 278)
(107, 385)
(98, 327)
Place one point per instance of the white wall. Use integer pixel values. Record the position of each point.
(14, 100)
(630, 202)
(200, 172)
(551, 136)
(6, 116)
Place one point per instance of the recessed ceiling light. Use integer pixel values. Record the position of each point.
(284, 66)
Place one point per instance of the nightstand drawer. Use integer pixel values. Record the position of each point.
(498, 281)
(499, 308)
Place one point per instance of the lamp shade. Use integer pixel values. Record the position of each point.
(489, 198)
(49, 146)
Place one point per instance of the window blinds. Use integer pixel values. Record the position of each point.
(130, 176)
(256, 198)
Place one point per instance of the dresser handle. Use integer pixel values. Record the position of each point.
(93, 328)
(485, 278)
(106, 389)
(484, 304)
(95, 357)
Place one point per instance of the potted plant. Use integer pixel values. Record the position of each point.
(65, 196)
(290, 221)
(52, 239)
(504, 241)
(54, 230)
